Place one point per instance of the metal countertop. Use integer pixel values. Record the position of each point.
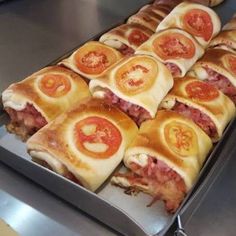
(34, 33)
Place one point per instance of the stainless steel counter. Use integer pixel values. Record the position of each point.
(34, 33)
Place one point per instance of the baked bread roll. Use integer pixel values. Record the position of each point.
(198, 20)
(84, 144)
(209, 108)
(218, 67)
(177, 49)
(165, 158)
(126, 38)
(225, 40)
(150, 16)
(92, 59)
(41, 97)
(136, 85)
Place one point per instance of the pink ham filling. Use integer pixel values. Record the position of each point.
(126, 50)
(28, 118)
(162, 181)
(198, 117)
(173, 68)
(137, 113)
(222, 83)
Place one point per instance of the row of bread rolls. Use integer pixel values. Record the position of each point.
(43, 103)
(167, 154)
(88, 141)
(181, 38)
(41, 97)
(218, 66)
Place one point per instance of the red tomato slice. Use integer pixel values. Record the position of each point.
(54, 85)
(137, 37)
(181, 138)
(173, 46)
(201, 91)
(198, 23)
(97, 137)
(94, 59)
(137, 75)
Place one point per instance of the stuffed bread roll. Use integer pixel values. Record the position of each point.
(198, 20)
(149, 16)
(225, 40)
(136, 85)
(92, 59)
(165, 158)
(209, 108)
(218, 67)
(170, 3)
(84, 144)
(177, 49)
(126, 38)
(41, 97)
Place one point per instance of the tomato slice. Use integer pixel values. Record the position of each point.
(198, 23)
(136, 75)
(137, 37)
(231, 63)
(201, 91)
(181, 138)
(173, 46)
(94, 59)
(55, 85)
(97, 137)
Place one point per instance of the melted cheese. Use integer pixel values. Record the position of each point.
(140, 159)
(52, 162)
(113, 43)
(9, 101)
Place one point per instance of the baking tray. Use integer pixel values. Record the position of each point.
(126, 214)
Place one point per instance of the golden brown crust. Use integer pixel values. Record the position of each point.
(153, 140)
(153, 87)
(122, 33)
(87, 52)
(184, 64)
(57, 140)
(176, 20)
(216, 105)
(225, 40)
(149, 16)
(28, 91)
(215, 59)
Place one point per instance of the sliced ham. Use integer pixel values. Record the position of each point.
(126, 50)
(161, 181)
(173, 68)
(201, 119)
(137, 113)
(25, 122)
(222, 83)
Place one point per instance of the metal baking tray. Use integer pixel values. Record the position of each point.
(124, 213)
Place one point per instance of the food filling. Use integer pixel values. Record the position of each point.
(201, 119)
(126, 50)
(222, 83)
(173, 68)
(136, 112)
(161, 182)
(25, 122)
